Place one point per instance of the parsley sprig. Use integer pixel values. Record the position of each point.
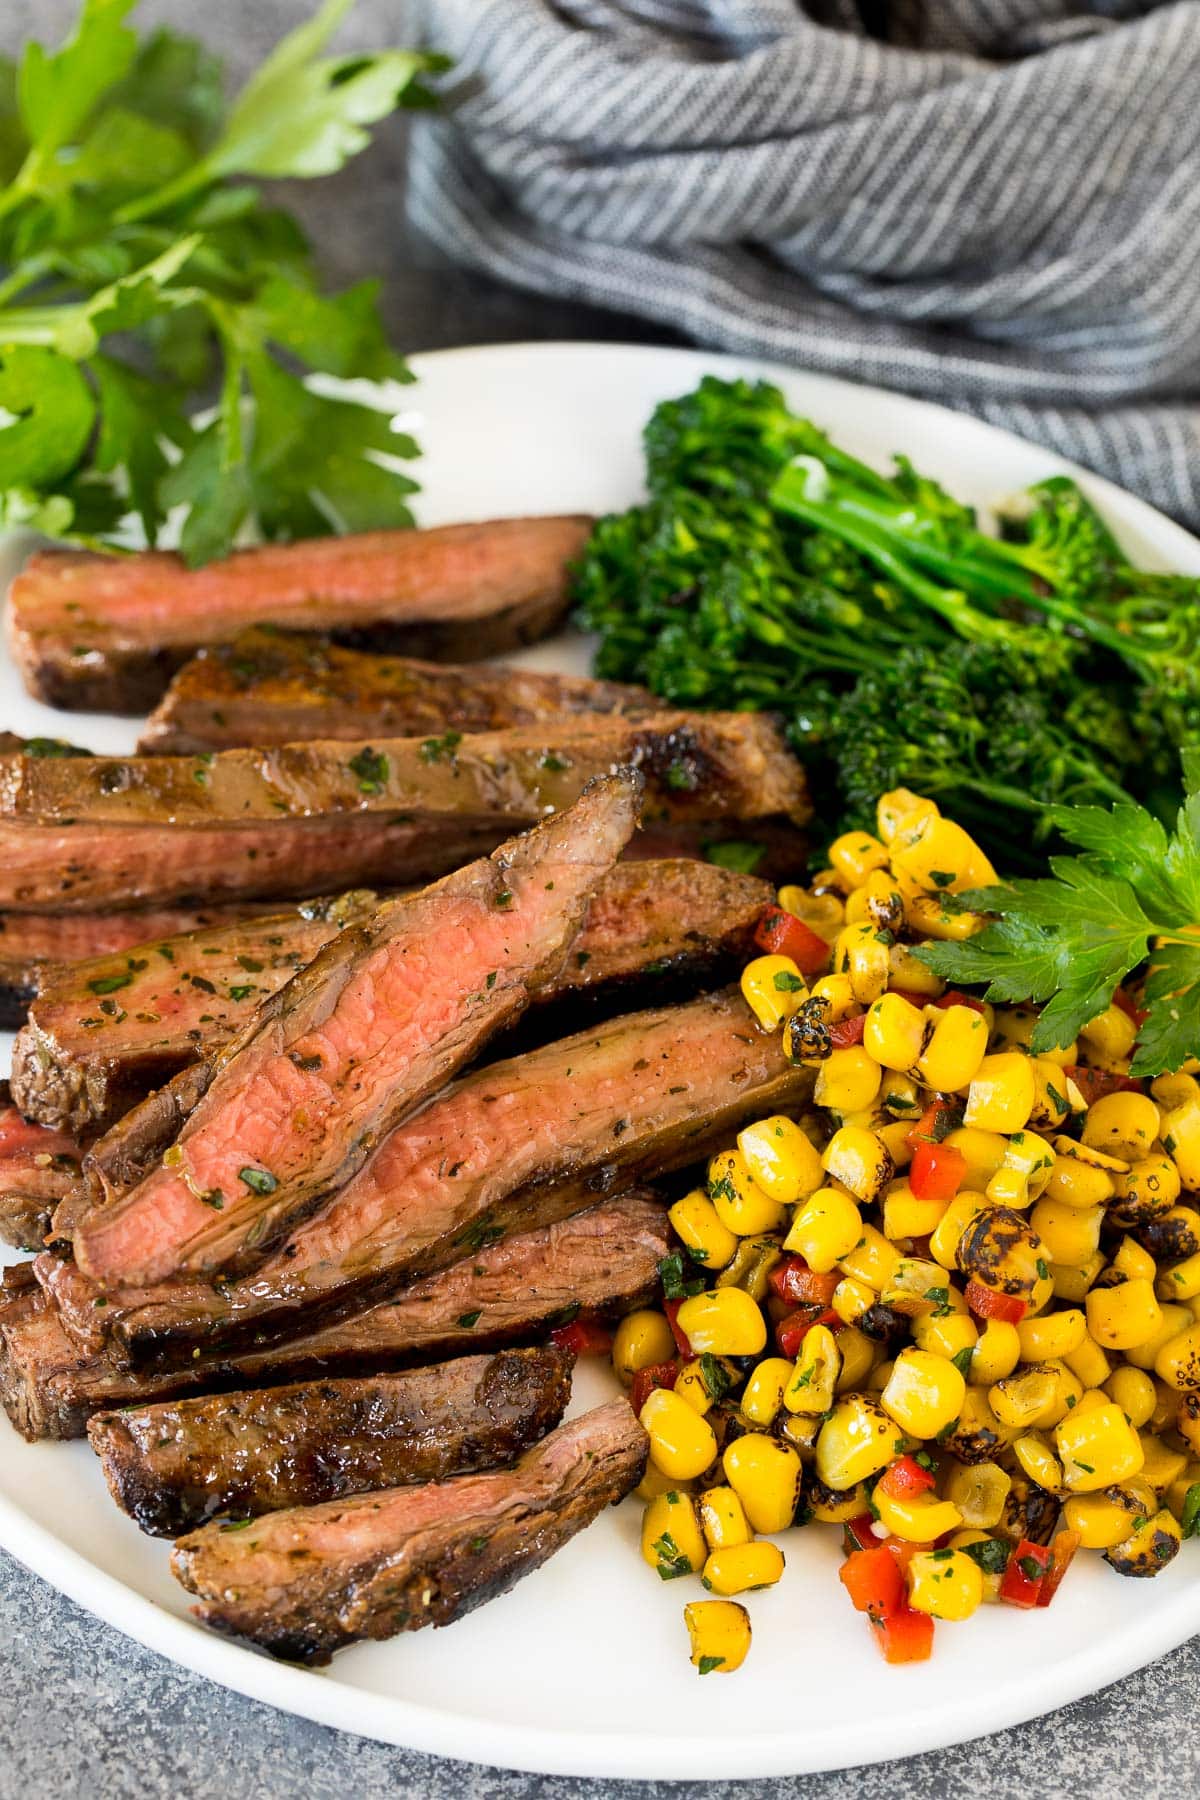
(1132, 897)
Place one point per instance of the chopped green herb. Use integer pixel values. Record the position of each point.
(371, 767)
(260, 1181)
(707, 1664)
(108, 984)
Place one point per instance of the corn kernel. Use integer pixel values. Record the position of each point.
(1089, 1363)
(1121, 1317)
(696, 1222)
(1187, 1420)
(1097, 1447)
(1071, 1234)
(924, 1394)
(642, 1338)
(916, 1287)
(723, 1321)
(1148, 1191)
(740, 1203)
(858, 1353)
(723, 1519)
(1001, 1094)
(984, 1152)
(1161, 1465)
(654, 1483)
(682, 1444)
(799, 1430)
(946, 1236)
(773, 989)
(940, 855)
(751, 1267)
(859, 1161)
(1054, 1334)
(859, 954)
(822, 913)
(929, 917)
(910, 975)
(814, 1379)
(996, 1354)
(1102, 1519)
(1051, 1108)
(672, 1541)
(1135, 1263)
(1038, 1461)
(855, 854)
(766, 1478)
(782, 1161)
(854, 1443)
(1110, 1038)
(738, 1567)
(1079, 1180)
(979, 1491)
(1182, 1281)
(950, 1335)
(948, 1584)
(1149, 1547)
(825, 1229)
(719, 1634)
(762, 1395)
(832, 1508)
(978, 1435)
(848, 1080)
(1178, 1361)
(1125, 1125)
(1180, 1132)
(1021, 1399)
(871, 1261)
(1028, 1160)
(836, 996)
(904, 1216)
(900, 806)
(1074, 1284)
(691, 1386)
(917, 1518)
(955, 1051)
(851, 1299)
(895, 1032)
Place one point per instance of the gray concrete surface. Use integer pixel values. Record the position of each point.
(85, 1712)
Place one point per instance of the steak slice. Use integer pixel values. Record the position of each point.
(599, 1262)
(105, 633)
(175, 1465)
(103, 1033)
(509, 1147)
(276, 687)
(304, 1583)
(383, 1016)
(128, 831)
(38, 1169)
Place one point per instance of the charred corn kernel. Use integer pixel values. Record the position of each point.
(723, 1321)
(851, 1299)
(814, 1378)
(832, 1508)
(739, 1567)
(929, 917)
(916, 1286)
(782, 1161)
(1054, 1334)
(917, 1518)
(723, 1519)
(1124, 1125)
(948, 1584)
(857, 1352)
(1089, 1363)
(672, 1541)
(1122, 1317)
(1038, 1461)
(947, 1234)
(1097, 1447)
(902, 1096)
(654, 1483)
(855, 1442)
(1028, 1160)
(1161, 1465)
(924, 1393)
(996, 1354)
(1180, 1282)
(1102, 1519)
(766, 1478)
(825, 1229)
(949, 1335)
(894, 1034)
(799, 1430)
(955, 1050)
(908, 972)
(871, 1260)
(1149, 1547)
(900, 806)
(696, 1222)
(855, 854)
(1147, 1191)
(682, 1444)
(1178, 1361)
(859, 954)
(1051, 1108)
(939, 854)
(1175, 1321)
(642, 1338)
(978, 1435)
(859, 1161)
(1077, 1182)
(751, 1267)
(719, 1635)
(1071, 1234)
(1021, 1399)
(979, 1491)
(1073, 1284)
(691, 1386)
(1068, 1392)
(762, 1395)
(740, 1203)
(1001, 1094)
(835, 993)
(774, 989)
(1110, 1038)
(1001, 1251)
(822, 913)
(1135, 1263)
(904, 1216)
(848, 1080)
(1180, 1133)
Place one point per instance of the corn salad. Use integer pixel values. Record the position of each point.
(953, 1308)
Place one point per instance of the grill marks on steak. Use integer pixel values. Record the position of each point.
(105, 633)
(38, 1168)
(514, 1145)
(383, 1017)
(174, 1466)
(273, 687)
(302, 1584)
(291, 819)
(102, 1033)
(604, 1260)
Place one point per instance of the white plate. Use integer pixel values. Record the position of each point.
(583, 1668)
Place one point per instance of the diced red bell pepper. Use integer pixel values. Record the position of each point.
(911, 995)
(1130, 1007)
(1062, 1552)
(671, 1308)
(654, 1375)
(790, 1331)
(905, 1478)
(952, 997)
(937, 1171)
(905, 1636)
(583, 1337)
(780, 933)
(985, 1303)
(1021, 1583)
(1095, 1084)
(901, 1551)
(874, 1582)
(848, 1031)
(934, 1124)
(859, 1534)
(795, 1282)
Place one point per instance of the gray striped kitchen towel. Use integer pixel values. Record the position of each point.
(995, 203)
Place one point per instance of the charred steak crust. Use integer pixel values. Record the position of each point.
(174, 1466)
(301, 1584)
(106, 633)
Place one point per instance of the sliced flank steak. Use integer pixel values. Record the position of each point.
(38, 1169)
